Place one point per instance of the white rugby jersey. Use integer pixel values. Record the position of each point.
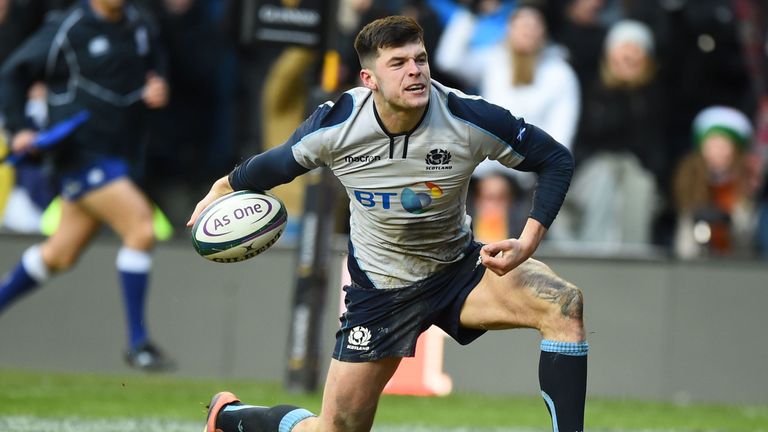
(408, 191)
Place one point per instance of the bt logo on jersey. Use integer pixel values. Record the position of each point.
(411, 200)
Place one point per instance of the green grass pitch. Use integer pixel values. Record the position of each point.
(32, 401)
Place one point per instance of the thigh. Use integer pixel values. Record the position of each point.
(76, 228)
(352, 392)
(120, 204)
(530, 296)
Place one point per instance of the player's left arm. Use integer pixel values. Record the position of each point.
(554, 165)
(156, 91)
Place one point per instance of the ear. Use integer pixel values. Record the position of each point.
(368, 79)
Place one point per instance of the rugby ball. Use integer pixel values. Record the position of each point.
(238, 226)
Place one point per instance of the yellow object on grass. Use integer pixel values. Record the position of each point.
(7, 175)
(52, 216)
(163, 227)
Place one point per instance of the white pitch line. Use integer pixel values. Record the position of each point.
(35, 424)
(73, 424)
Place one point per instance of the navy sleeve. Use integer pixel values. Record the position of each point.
(23, 67)
(266, 170)
(159, 61)
(554, 165)
(278, 165)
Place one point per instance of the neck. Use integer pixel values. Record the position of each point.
(397, 120)
(106, 12)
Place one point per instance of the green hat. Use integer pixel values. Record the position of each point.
(724, 120)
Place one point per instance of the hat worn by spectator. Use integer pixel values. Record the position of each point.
(630, 31)
(725, 120)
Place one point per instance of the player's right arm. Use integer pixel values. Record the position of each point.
(22, 68)
(281, 164)
(260, 172)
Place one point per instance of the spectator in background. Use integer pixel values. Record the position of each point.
(716, 211)
(497, 207)
(527, 75)
(491, 16)
(472, 30)
(581, 31)
(703, 63)
(619, 147)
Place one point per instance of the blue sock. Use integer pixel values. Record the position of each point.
(28, 274)
(563, 380)
(134, 266)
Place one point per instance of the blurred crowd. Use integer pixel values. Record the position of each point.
(663, 103)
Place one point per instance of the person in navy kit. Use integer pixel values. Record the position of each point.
(404, 147)
(98, 57)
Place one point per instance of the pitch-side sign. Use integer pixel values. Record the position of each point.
(292, 22)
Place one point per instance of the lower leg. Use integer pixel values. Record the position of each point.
(281, 418)
(30, 272)
(563, 380)
(563, 360)
(351, 394)
(134, 266)
(58, 253)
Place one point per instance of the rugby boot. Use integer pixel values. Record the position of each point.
(218, 401)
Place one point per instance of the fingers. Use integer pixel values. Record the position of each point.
(220, 188)
(199, 208)
(493, 249)
(495, 264)
(195, 214)
(493, 258)
(23, 141)
(155, 91)
(501, 257)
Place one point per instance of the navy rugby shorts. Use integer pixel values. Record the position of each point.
(381, 323)
(75, 184)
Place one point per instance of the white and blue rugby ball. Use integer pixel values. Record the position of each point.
(238, 226)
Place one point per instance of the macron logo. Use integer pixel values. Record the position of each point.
(363, 158)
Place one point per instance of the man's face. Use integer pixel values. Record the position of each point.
(400, 75)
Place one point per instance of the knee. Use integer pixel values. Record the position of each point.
(571, 305)
(58, 261)
(141, 236)
(564, 320)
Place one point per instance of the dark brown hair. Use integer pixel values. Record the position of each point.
(391, 31)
